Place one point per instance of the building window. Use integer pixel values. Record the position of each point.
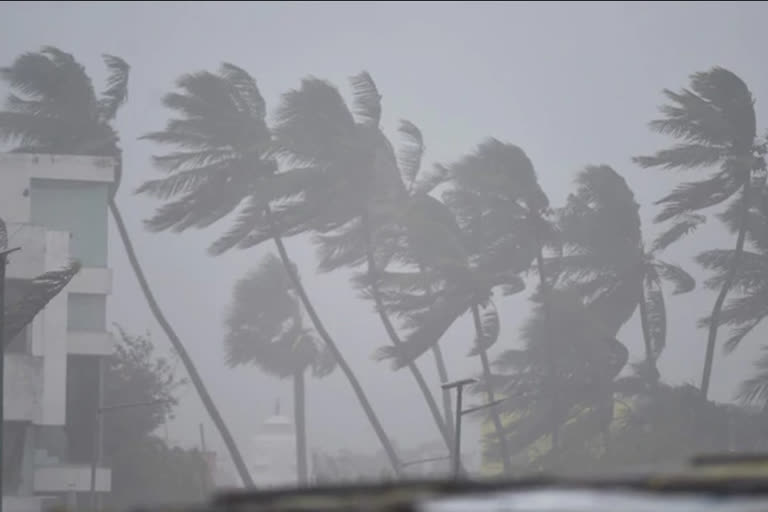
(86, 312)
(79, 207)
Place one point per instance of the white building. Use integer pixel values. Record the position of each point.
(55, 208)
(272, 457)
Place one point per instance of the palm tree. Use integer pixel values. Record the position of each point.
(715, 123)
(265, 327)
(605, 260)
(587, 360)
(57, 111)
(495, 235)
(225, 163)
(744, 312)
(364, 194)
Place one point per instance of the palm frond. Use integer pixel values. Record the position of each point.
(683, 156)
(249, 94)
(685, 224)
(367, 99)
(411, 152)
(313, 124)
(681, 279)
(116, 93)
(699, 195)
(446, 310)
(26, 298)
(738, 334)
(755, 388)
(490, 326)
(344, 247)
(750, 273)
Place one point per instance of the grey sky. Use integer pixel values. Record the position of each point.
(571, 84)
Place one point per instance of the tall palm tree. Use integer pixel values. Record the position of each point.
(605, 260)
(225, 162)
(265, 327)
(364, 192)
(54, 109)
(495, 235)
(744, 312)
(715, 124)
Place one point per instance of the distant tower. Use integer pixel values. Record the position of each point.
(272, 460)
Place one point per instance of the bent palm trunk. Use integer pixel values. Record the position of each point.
(356, 387)
(395, 340)
(491, 398)
(189, 365)
(714, 319)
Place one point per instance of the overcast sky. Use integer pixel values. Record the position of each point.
(571, 84)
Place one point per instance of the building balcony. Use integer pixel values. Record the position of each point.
(23, 387)
(70, 478)
(90, 343)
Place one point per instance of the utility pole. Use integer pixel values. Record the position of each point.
(459, 385)
(3, 262)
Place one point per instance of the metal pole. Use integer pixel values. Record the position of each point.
(457, 446)
(3, 260)
(98, 434)
(459, 385)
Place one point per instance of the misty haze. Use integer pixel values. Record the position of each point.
(267, 244)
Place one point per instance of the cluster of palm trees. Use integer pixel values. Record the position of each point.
(427, 246)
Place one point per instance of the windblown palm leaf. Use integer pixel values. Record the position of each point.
(25, 298)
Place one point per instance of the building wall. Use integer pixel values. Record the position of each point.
(57, 209)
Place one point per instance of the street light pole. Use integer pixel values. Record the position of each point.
(3, 262)
(459, 385)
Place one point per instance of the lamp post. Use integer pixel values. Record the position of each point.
(459, 385)
(3, 262)
(98, 438)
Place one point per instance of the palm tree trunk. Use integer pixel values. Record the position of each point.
(395, 339)
(714, 323)
(442, 372)
(189, 365)
(546, 302)
(506, 460)
(299, 410)
(356, 387)
(649, 359)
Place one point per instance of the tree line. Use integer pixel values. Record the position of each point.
(430, 244)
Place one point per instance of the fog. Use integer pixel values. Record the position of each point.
(573, 85)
